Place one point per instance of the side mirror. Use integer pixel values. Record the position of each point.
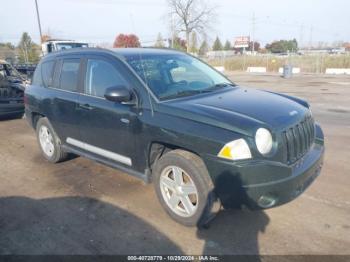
(118, 94)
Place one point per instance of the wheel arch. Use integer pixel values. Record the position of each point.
(157, 148)
(35, 116)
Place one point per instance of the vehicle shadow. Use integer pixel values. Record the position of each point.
(75, 225)
(235, 230)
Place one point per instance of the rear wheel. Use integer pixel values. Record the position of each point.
(49, 142)
(184, 188)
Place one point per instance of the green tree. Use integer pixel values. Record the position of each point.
(7, 52)
(28, 50)
(227, 46)
(160, 41)
(204, 48)
(217, 46)
(193, 43)
(283, 46)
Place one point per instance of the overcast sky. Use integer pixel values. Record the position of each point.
(99, 21)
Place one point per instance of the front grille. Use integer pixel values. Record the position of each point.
(10, 93)
(298, 139)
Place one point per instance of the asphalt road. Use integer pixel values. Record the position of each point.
(81, 207)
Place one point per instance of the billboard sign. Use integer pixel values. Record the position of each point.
(242, 42)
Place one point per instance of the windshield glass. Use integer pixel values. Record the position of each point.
(63, 46)
(8, 70)
(176, 75)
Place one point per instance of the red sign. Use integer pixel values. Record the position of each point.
(242, 41)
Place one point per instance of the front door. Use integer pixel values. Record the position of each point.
(106, 127)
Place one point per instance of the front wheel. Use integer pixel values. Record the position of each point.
(184, 188)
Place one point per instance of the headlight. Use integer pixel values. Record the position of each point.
(263, 140)
(236, 150)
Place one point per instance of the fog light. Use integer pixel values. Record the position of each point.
(266, 201)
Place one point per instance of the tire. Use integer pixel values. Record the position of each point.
(53, 153)
(192, 172)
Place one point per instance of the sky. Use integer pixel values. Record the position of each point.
(99, 21)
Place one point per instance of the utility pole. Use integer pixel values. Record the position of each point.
(253, 33)
(311, 31)
(172, 31)
(38, 17)
(301, 35)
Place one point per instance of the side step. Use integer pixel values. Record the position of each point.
(145, 177)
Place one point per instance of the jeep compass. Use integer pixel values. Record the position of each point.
(168, 118)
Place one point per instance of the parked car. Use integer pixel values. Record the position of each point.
(12, 86)
(169, 118)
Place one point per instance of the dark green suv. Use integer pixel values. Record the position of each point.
(168, 118)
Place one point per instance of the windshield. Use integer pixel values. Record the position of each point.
(176, 75)
(63, 46)
(8, 70)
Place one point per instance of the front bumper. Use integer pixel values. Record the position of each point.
(263, 184)
(7, 109)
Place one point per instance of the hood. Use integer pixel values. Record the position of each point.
(242, 110)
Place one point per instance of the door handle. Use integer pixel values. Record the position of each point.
(85, 106)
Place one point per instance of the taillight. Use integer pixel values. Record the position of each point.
(25, 99)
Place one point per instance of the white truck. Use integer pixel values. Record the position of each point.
(53, 45)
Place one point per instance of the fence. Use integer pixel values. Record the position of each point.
(317, 63)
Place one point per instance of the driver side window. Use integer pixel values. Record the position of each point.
(101, 75)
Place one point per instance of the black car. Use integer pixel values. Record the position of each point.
(12, 86)
(167, 117)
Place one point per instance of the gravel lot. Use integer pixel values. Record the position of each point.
(81, 207)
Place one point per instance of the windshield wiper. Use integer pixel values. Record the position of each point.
(218, 86)
(190, 92)
(185, 93)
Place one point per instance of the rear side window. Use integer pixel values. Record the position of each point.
(101, 75)
(47, 73)
(69, 75)
(37, 79)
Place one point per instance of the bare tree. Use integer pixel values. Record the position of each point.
(191, 16)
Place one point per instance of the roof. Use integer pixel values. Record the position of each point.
(120, 52)
(144, 51)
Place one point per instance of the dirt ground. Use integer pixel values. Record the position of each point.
(81, 207)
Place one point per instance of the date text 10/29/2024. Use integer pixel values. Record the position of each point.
(173, 258)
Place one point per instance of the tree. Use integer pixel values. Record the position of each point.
(123, 40)
(217, 46)
(227, 46)
(190, 16)
(28, 49)
(204, 48)
(256, 46)
(160, 41)
(283, 46)
(45, 38)
(7, 52)
(193, 43)
(179, 44)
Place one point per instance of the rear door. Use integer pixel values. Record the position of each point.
(106, 127)
(64, 97)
